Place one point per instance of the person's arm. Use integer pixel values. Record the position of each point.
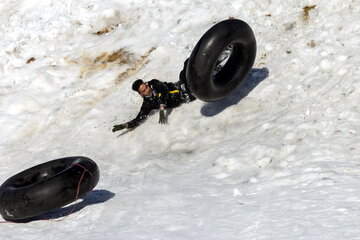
(162, 116)
(120, 127)
(161, 91)
(141, 117)
(161, 96)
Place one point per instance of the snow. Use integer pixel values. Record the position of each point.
(277, 159)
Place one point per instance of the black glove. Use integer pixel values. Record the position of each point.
(119, 127)
(162, 117)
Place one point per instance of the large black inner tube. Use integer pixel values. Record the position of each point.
(46, 187)
(221, 60)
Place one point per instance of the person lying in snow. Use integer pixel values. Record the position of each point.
(158, 95)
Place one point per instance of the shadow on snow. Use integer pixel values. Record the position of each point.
(94, 197)
(255, 76)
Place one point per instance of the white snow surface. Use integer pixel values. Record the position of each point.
(279, 158)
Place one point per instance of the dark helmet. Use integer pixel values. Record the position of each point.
(137, 84)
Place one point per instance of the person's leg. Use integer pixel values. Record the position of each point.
(183, 86)
(182, 75)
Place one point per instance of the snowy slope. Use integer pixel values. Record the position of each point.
(277, 159)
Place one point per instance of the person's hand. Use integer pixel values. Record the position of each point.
(162, 117)
(119, 127)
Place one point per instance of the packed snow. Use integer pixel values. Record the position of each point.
(279, 158)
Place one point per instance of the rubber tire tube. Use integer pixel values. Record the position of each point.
(200, 69)
(46, 187)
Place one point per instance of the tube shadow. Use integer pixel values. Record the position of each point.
(94, 197)
(255, 76)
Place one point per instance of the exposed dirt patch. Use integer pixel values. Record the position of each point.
(106, 30)
(290, 26)
(262, 59)
(122, 58)
(135, 67)
(306, 13)
(30, 60)
(311, 44)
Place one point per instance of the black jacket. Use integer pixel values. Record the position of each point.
(169, 94)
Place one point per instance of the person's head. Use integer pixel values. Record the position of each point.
(141, 87)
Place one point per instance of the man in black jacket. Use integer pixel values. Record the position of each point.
(158, 95)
